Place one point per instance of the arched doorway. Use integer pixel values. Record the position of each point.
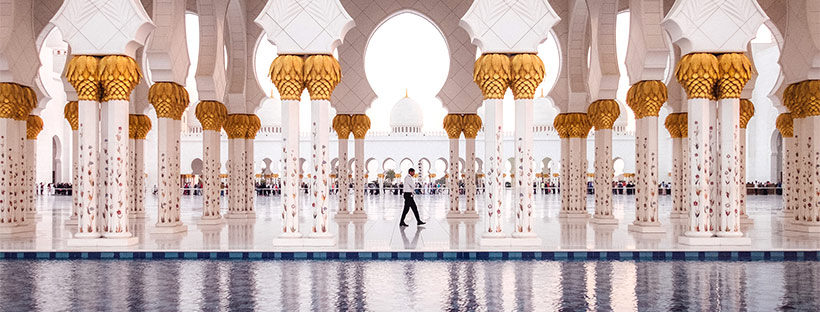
(777, 156)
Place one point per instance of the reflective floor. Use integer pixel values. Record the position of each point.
(191, 285)
(380, 232)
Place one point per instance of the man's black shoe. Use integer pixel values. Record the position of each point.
(421, 223)
(403, 224)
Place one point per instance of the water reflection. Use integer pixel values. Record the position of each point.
(407, 285)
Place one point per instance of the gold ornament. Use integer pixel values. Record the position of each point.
(143, 127)
(492, 75)
(360, 124)
(28, 102)
(671, 124)
(452, 124)
(71, 113)
(286, 74)
(603, 113)
(471, 124)
(578, 125)
(527, 71)
(254, 124)
(83, 74)
(790, 98)
(118, 75)
(341, 123)
(697, 74)
(785, 124)
(133, 126)
(747, 110)
(211, 115)
(34, 124)
(322, 74)
(734, 70)
(810, 98)
(167, 99)
(10, 98)
(646, 98)
(683, 125)
(237, 126)
(560, 125)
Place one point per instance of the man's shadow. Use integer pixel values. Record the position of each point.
(407, 243)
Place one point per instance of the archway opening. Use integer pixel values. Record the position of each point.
(406, 53)
(56, 162)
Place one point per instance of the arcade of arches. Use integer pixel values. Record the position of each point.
(147, 111)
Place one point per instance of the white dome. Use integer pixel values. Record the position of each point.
(406, 113)
(543, 112)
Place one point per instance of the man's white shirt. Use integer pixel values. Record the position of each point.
(409, 184)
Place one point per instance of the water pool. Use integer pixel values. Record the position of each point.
(187, 285)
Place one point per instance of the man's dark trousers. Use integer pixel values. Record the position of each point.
(409, 203)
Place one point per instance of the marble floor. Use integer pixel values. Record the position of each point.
(380, 232)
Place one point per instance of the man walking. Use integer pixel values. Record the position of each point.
(409, 189)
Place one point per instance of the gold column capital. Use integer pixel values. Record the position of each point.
(492, 75)
(133, 126)
(254, 124)
(342, 125)
(83, 74)
(697, 74)
(360, 124)
(603, 113)
(143, 123)
(560, 125)
(211, 114)
(471, 124)
(322, 75)
(747, 110)
(672, 124)
(785, 124)
(237, 126)
(27, 102)
(169, 99)
(646, 98)
(286, 72)
(578, 125)
(527, 72)
(72, 115)
(683, 125)
(808, 98)
(11, 96)
(453, 125)
(734, 70)
(34, 124)
(119, 75)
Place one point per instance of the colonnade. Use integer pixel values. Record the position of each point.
(344, 125)
(803, 101)
(241, 130)
(138, 127)
(455, 125)
(602, 114)
(573, 129)
(16, 103)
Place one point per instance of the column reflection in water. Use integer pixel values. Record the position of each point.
(492, 286)
(523, 286)
(211, 285)
(319, 300)
(572, 283)
(603, 285)
(241, 286)
(623, 294)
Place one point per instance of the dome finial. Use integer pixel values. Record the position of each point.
(405, 93)
(542, 92)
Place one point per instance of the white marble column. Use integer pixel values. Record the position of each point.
(685, 169)
(169, 100)
(254, 124)
(7, 216)
(13, 105)
(361, 124)
(320, 160)
(700, 131)
(70, 114)
(602, 114)
(237, 129)
(341, 123)
(806, 129)
(471, 126)
(563, 173)
(212, 115)
(785, 125)
(453, 126)
(678, 206)
(646, 98)
(33, 127)
(87, 226)
(747, 110)
(116, 176)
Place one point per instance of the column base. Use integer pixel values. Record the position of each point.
(804, 227)
(458, 215)
(603, 220)
(745, 219)
(102, 242)
(33, 216)
(136, 215)
(494, 240)
(714, 241)
(653, 227)
(573, 215)
(289, 240)
(679, 215)
(209, 221)
(470, 214)
(525, 239)
(355, 216)
(319, 240)
(236, 215)
(169, 229)
(17, 228)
